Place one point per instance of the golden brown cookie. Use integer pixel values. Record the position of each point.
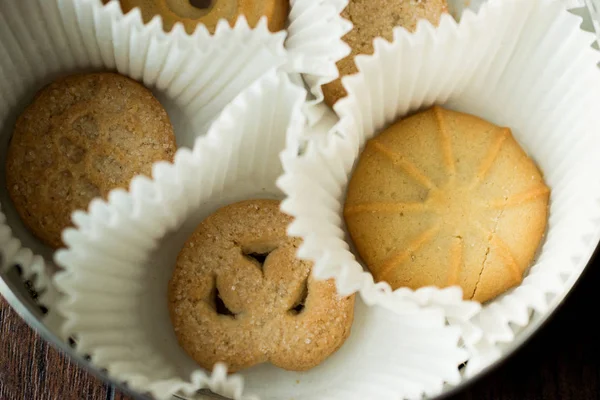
(239, 295)
(209, 12)
(81, 137)
(377, 18)
(445, 198)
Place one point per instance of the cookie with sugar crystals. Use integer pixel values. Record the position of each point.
(81, 137)
(240, 296)
(373, 19)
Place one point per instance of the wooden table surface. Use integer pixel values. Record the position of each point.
(561, 362)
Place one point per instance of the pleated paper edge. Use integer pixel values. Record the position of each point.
(317, 70)
(218, 380)
(201, 36)
(473, 334)
(34, 267)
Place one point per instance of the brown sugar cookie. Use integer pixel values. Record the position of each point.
(444, 198)
(377, 18)
(239, 295)
(209, 12)
(81, 137)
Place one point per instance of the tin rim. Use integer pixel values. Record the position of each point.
(24, 306)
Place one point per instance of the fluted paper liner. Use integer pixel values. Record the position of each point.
(193, 76)
(315, 43)
(313, 31)
(521, 64)
(122, 252)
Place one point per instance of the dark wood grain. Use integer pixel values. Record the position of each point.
(31, 369)
(561, 362)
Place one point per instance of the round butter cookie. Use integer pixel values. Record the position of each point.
(82, 136)
(240, 296)
(377, 18)
(209, 12)
(444, 198)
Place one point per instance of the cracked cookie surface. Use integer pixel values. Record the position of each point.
(444, 198)
(240, 296)
(81, 137)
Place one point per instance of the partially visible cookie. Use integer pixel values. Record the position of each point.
(82, 136)
(443, 198)
(377, 18)
(209, 12)
(240, 296)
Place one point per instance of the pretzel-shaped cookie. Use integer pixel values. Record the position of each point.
(209, 12)
(239, 295)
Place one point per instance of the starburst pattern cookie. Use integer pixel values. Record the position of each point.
(444, 198)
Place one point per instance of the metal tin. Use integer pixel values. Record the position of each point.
(12, 288)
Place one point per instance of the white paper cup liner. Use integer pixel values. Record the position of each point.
(314, 29)
(574, 3)
(315, 41)
(122, 253)
(521, 64)
(193, 76)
